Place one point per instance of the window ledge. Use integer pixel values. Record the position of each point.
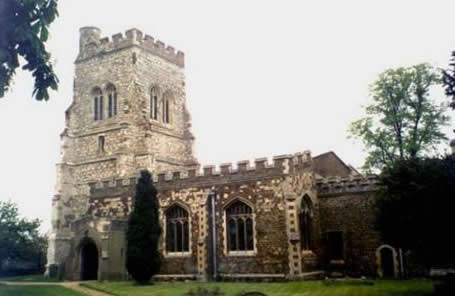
(177, 254)
(159, 123)
(307, 253)
(241, 253)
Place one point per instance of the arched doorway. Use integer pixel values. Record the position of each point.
(387, 263)
(89, 260)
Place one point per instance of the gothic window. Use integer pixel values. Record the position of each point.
(98, 103)
(305, 221)
(177, 230)
(95, 107)
(167, 107)
(154, 103)
(112, 100)
(239, 217)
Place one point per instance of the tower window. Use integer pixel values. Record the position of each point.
(112, 100)
(239, 217)
(95, 113)
(115, 103)
(154, 103)
(101, 108)
(110, 105)
(97, 104)
(177, 230)
(166, 107)
(101, 144)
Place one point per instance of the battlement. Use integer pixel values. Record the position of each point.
(280, 165)
(353, 184)
(92, 44)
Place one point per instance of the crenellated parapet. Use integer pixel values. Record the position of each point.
(262, 168)
(92, 44)
(280, 165)
(354, 184)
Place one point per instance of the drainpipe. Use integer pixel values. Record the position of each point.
(212, 196)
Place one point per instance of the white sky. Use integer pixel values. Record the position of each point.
(263, 78)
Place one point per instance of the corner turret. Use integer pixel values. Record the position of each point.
(89, 38)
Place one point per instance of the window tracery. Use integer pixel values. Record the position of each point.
(240, 236)
(154, 103)
(112, 100)
(98, 104)
(177, 229)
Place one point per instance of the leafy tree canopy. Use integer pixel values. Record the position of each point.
(448, 80)
(23, 32)
(143, 258)
(19, 237)
(402, 122)
(415, 208)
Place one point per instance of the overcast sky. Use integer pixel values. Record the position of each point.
(263, 78)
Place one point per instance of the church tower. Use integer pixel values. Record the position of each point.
(128, 113)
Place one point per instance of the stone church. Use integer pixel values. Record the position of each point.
(296, 216)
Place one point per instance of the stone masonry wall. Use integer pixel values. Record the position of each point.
(269, 227)
(131, 64)
(95, 187)
(348, 206)
(257, 187)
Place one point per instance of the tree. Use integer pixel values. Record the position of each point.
(414, 208)
(448, 80)
(403, 122)
(23, 32)
(18, 236)
(40, 244)
(143, 258)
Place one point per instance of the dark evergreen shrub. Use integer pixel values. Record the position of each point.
(143, 258)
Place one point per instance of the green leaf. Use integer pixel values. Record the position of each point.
(44, 34)
(29, 32)
(403, 121)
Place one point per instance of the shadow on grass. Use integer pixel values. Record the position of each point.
(30, 278)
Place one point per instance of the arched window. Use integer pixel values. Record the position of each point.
(98, 103)
(177, 230)
(112, 100)
(154, 103)
(239, 219)
(167, 101)
(305, 220)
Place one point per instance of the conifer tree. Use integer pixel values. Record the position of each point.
(143, 257)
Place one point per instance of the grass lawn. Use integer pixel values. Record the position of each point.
(310, 288)
(37, 291)
(29, 278)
